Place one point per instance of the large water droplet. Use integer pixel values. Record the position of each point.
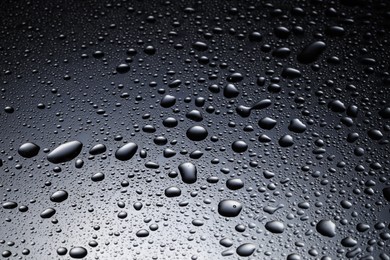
(230, 91)
(311, 52)
(122, 68)
(48, 213)
(229, 208)
(126, 152)
(172, 192)
(188, 172)
(98, 177)
(246, 249)
(326, 228)
(275, 226)
(97, 149)
(59, 196)
(197, 133)
(28, 150)
(65, 152)
(78, 252)
(239, 146)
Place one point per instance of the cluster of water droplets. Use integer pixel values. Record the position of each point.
(202, 130)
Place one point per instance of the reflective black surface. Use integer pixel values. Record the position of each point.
(194, 129)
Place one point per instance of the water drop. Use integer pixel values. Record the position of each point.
(188, 172)
(126, 152)
(65, 152)
(326, 228)
(246, 249)
(28, 150)
(78, 252)
(59, 196)
(197, 133)
(229, 208)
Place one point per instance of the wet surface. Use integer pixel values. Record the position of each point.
(195, 130)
